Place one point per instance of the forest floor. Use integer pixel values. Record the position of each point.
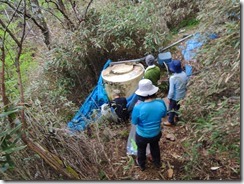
(172, 156)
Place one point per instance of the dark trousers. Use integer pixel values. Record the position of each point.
(142, 142)
(174, 106)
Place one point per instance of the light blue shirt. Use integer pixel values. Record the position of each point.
(177, 86)
(147, 116)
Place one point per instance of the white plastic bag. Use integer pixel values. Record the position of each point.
(107, 113)
(131, 142)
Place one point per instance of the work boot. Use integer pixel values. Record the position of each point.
(168, 123)
(157, 165)
(176, 119)
(141, 166)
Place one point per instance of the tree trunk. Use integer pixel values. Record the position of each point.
(54, 161)
(40, 17)
(6, 102)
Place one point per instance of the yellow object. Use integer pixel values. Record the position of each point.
(124, 77)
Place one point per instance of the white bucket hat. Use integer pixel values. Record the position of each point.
(146, 88)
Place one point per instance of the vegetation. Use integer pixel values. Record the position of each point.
(52, 53)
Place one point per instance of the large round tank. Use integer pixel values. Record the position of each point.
(124, 76)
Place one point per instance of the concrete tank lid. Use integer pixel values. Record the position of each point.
(121, 68)
(122, 72)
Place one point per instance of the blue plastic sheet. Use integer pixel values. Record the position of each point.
(96, 98)
(188, 70)
(193, 44)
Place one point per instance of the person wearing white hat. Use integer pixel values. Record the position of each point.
(147, 116)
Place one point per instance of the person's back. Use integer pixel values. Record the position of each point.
(152, 72)
(119, 105)
(178, 82)
(150, 114)
(147, 116)
(177, 91)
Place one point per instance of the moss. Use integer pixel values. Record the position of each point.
(72, 172)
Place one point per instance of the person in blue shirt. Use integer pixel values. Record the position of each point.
(177, 91)
(147, 116)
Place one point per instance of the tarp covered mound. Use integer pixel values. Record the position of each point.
(96, 98)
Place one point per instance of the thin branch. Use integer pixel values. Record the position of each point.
(10, 20)
(62, 11)
(73, 5)
(9, 32)
(26, 14)
(52, 14)
(87, 8)
(17, 62)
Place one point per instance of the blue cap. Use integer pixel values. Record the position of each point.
(175, 66)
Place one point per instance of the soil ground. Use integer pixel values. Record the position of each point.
(171, 156)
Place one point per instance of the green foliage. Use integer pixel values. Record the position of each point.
(214, 96)
(26, 64)
(9, 141)
(132, 26)
(107, 33)
(187, 23)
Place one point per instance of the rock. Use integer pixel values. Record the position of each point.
(214, 168)
(170, 173)
(170, 137)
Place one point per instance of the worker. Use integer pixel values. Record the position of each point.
(177, 91)
(152, 72)
(147, 116)
(119, 106)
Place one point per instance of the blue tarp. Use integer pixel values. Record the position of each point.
(96, 98)
(192, 45)
(189, 51)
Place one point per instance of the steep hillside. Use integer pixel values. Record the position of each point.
(204, 145)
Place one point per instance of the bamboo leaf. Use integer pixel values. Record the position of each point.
(4, 114)
(11, 150)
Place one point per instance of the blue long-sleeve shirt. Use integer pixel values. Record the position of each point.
(147, 116)
(177, 86)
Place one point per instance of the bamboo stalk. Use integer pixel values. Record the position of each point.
(53, 160)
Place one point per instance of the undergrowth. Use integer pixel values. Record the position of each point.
(214, 97)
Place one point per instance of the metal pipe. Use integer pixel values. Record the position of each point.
(160, 50)
(181, 40)
(128, 61)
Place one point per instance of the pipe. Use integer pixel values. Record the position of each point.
(128, 61)
(181, 40)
